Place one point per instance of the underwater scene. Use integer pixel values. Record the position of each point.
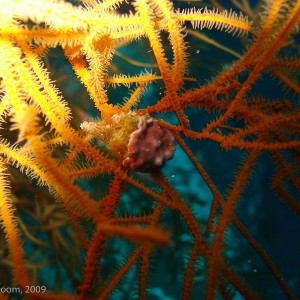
(150, 149)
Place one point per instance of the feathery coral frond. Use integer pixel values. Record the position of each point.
(71, 117)
(230, 22)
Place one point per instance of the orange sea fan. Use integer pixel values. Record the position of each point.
(202, 225)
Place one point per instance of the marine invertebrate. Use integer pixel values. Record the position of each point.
(115, 132)
(149, 147)
(119, 219)
(140, 143)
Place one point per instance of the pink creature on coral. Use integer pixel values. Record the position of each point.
(149, 147)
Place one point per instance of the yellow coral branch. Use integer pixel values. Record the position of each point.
(230, 21)
(9, 221)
